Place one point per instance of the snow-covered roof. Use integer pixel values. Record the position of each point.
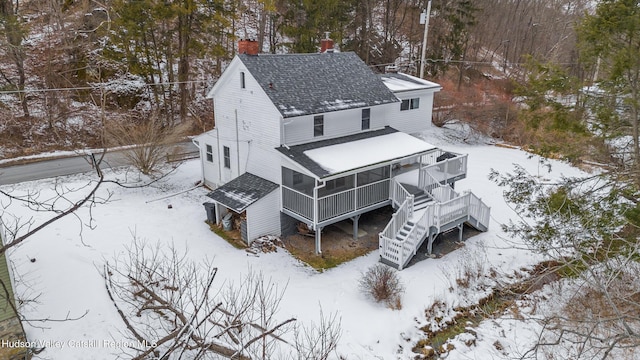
(239, 193)
(398, 82)
(335, 156)
(304, 84)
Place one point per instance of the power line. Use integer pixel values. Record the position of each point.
(97, 86)
(464, 62)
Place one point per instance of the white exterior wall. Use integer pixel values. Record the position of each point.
(299, 129)
(249, 124)
(412, 120)
(210, 170)
(263, 216)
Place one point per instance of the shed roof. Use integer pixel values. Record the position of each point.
(239, 193)
(304, 84)
(334, 156)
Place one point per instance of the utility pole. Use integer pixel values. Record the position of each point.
(424, 39)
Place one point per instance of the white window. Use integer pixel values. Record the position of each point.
(209, 153)
(227, 157)
(318, 125)
(366, 119)
(408, 104)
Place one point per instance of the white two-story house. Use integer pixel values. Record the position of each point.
(320, 138)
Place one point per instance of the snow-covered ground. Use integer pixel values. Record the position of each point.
(65, 279)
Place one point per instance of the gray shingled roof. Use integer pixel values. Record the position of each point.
(303, 84)
(242, 191)
(296, 153)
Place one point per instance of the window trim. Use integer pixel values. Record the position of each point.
(227, 156)
(410, 104)
(209, 152)
(318, 125)
(366, 120)
(243, 84)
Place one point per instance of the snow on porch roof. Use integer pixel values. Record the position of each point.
(334, 156)
(398, 82)
(239, 193)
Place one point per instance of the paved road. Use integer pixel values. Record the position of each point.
(48, 168)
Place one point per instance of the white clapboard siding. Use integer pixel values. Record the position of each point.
(412, 120)
(249, 124)
(263, 216)
(299, 130)
(210, 170)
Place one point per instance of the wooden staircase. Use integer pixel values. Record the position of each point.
(423, 215)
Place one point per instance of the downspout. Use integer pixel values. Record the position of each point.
(318, 230)
(237, 143)
(219, 159)
(315, 202)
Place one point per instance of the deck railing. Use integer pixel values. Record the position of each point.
(452, 210)
(398, 193)
(443, 193)
(435, 216)
(441, 172)
(479, 210)
(334, 205)
(401, 251)
(399, 218)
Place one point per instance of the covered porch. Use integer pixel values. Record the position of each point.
(330, 181)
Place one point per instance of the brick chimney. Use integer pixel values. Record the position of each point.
(248, 46)
(326, 44)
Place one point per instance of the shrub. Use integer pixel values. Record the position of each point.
(383, 284)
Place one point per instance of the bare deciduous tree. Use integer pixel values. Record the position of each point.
(147, 140)
(171, 307)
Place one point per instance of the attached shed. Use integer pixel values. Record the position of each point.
(256, 198)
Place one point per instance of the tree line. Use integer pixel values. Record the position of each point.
(181, 46)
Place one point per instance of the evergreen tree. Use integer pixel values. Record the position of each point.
(610, 42)
(157, 40)
(306, 22)
(451, 25)
(14, 32)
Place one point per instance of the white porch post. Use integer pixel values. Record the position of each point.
(318, 240)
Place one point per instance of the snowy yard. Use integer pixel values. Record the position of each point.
(65, 279)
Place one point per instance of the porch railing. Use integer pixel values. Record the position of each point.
(372, 193)
(337, 204)
(297, 202)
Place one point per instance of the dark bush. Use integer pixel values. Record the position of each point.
(383, 284)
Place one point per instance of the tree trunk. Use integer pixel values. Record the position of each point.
(13, 33)
(184, 29)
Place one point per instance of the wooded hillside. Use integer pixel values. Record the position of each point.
(68, 67)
